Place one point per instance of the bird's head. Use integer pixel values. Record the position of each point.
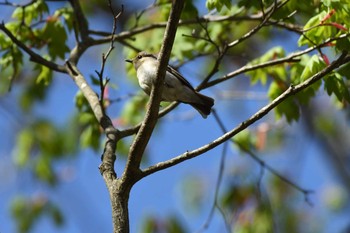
(141, 58)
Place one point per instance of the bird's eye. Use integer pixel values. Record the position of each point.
(139, 56)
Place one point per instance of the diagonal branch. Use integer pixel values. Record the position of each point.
(33, 55)
(291, 58)
(108, 158)
(292, 90)
(265, 18)
(144, 134)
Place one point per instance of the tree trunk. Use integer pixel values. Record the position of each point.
(120, 212)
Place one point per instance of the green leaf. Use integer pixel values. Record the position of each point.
(334, 84)
(326, 2)
(90, 137)
(194, 188)
(218, 4)
(22, 214)
(5, 42)
(86, 118)
(34, 92)
(313, 66)
(95, 80)
(56, 215)
(345, 71)
(31, 12)
(173, 225)
(343, 44)
(56, 44)
(297, 68)
(288, 108)
(11, 62)
(189, 11)
(44, 170)
(277, 72)
(315, 32)
(27, 211)
(25, 143)
(133, 110)
(243, 140)
(305, 95)
(68, 14)
(44, 76)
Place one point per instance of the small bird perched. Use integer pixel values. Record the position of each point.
(176, 87)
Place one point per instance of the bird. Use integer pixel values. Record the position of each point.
(176, 87)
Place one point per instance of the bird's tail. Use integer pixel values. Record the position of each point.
(204, 105)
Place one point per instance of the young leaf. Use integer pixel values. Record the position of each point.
(334, 84)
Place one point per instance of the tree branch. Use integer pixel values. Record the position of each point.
(144, 134)
(204, 19)
(292, 90)
(33, 56)
(122, 36)
(108, 158)
(291, 58)
(80, 20)
(265, 18)
(104, 82)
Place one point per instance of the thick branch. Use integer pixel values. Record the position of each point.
(292, 90)
(80, 20)
(138, 147)
(81, 29)
(107, 167)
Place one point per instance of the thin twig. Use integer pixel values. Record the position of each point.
(103, 83)
(127, 35)
(266, 16)
(7, 3)
(264, 165)
(220, 52)
(291, 58)
(215, 204)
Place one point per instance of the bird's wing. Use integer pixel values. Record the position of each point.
(179, 76)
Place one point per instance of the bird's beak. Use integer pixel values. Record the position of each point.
(128, 60)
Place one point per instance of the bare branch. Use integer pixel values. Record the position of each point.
(265, 18)
(103, 83)
(292, 90)
(215, 204)
(108, 157)
(291, 58)
(264, 165)
(7, 3)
